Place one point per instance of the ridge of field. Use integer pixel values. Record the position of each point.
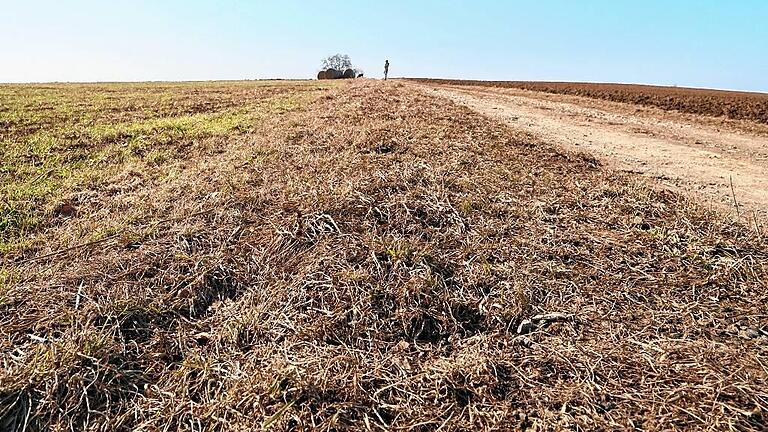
(735, 105)
(355, 256)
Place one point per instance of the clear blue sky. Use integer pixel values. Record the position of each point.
(704, 43)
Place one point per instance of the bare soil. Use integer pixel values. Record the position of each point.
(723, 162)
(719, 103)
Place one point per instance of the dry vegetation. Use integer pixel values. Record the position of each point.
(240, 256)
(717, 103)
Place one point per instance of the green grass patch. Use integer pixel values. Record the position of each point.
(59, 139)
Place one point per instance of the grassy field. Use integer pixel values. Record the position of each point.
(58, 139)
(353, 256)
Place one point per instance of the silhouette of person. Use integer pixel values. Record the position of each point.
(386, 69)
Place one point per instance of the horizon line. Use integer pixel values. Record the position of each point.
(553, 81)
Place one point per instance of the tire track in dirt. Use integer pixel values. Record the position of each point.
(713, 160)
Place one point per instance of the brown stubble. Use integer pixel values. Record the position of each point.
(366, 263)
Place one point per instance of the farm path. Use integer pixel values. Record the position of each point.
(712, 158)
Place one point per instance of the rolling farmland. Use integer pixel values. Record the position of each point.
(363, 255)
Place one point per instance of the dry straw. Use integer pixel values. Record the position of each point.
(385, 260)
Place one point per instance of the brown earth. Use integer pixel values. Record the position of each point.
(364, 256)
(720, 103)
(723, 162)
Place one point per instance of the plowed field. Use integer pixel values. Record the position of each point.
(717, 103)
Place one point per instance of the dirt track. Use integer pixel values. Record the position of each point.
(696, 154)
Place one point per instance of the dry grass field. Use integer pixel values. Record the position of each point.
(353, 256)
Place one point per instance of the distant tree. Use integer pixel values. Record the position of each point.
(340, 62)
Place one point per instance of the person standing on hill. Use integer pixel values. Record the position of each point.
(386, 69)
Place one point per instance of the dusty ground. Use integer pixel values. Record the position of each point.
(713, 158)
(726, 104)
